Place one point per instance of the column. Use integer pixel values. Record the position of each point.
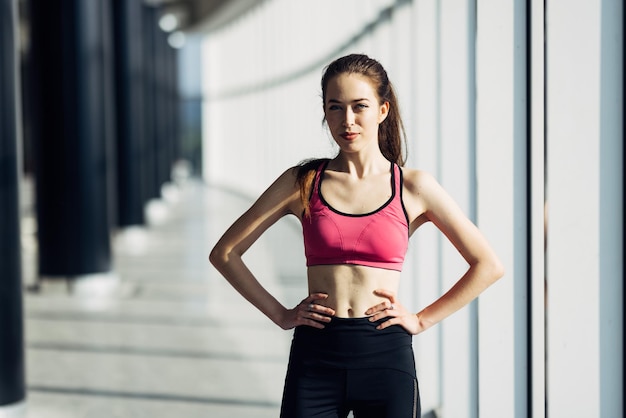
(162, 115)
(71, 87)
(173, 104)
(150, 179)
(12, 386)
(129, 91)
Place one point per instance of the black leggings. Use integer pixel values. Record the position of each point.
(351, 366)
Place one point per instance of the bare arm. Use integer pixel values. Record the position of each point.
(280, 199)
(428, 201)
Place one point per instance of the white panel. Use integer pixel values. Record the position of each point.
(401, 73)
(537, 202)
(425, 243)
(501, 162)
(573, 57)
(460, 386)
(382, 43)
(585, 195)
(420, 284)
(401, 67)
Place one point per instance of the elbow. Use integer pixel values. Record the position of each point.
(490, 270)
(218, 256)
(497, 270)
(223, 254)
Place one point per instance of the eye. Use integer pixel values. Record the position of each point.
(361, 106)
(334, 107)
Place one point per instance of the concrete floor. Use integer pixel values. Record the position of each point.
(163, 335)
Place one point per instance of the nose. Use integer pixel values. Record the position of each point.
(348, 119)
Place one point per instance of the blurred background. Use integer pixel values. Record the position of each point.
(133, 132)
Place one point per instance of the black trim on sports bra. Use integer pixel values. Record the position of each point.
(356, 215)
(406, 214)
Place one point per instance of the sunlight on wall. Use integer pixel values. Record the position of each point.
(470, 79)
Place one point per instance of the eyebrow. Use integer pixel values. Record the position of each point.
(353, 101)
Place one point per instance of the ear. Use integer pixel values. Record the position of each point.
(383, 112)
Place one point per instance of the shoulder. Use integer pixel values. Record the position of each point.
(419, 189)
(286, 183)
(434, 202)
(281, 191)
(280, 198)
(418, 182)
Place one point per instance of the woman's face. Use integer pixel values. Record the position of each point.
(353, 112)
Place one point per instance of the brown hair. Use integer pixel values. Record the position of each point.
(391, 134)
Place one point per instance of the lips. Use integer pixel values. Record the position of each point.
(349, 136)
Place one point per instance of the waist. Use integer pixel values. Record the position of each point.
(354, 343)
(350, 288)
(354, 335)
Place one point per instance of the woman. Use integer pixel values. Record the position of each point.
(352, 341)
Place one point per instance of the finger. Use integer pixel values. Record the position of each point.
(318, 317)
(315, 312)
(314, 324)
(321, 309)
(311, 306)
(390, 322)
(376, 317)
(380, 315)
(319, 312)
(313, 320)
(381, 307)
(315, 296)
(386, 294)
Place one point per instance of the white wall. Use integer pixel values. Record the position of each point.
(269, 130)
(585, 208)
(501, 199)
(482, 109)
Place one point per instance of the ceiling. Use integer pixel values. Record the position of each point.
(203, 15)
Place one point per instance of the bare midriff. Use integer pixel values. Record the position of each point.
(350, 288)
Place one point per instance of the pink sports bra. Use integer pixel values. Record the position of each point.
(376, 239)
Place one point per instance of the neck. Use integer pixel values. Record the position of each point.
(361, 165)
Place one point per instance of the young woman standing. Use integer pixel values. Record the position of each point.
(352, 344)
